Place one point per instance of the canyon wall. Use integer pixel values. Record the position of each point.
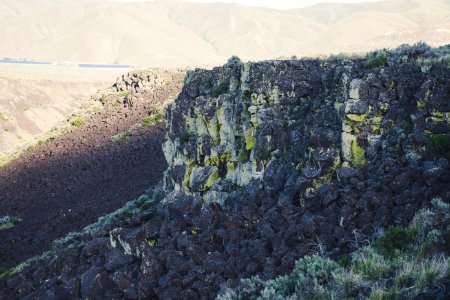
(267, 163)
(301, 128)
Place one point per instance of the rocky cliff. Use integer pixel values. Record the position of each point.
(299, 128)
(267, 162)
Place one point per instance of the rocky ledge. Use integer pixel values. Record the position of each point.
(267, 162)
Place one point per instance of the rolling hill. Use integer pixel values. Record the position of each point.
(175, 33)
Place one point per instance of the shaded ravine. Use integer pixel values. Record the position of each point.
(67, 183)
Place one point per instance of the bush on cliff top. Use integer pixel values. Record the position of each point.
(376, 60)
(401, 264)
(234, 60)
(419, 53)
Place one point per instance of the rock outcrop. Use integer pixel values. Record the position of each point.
(306, 124)
(268, 162)
(139, 84)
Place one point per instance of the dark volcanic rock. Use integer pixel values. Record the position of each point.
(267, 162)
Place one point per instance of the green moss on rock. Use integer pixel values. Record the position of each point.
(187, 174)
(249, 141)
(225, 156)
(231, 167)
(358, 155)
(421, 104)
(211, 179)
(219, 112)
(356, 118)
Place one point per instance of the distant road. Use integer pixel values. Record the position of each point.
(24, 62)
(101, 66)
(90, 66)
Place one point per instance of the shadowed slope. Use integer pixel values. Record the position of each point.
(69, 182)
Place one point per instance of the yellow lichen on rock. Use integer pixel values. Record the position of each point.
(358, 155)
(211, 179)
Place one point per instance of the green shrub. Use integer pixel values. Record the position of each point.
(432, 272)
(251, 287)
(124, 94)
(75, 239)
(229, 295)
(8, 222)
(376, 60)
(344, 56)
(344, 261)
(423, 221)
(433, 229)
(126, 214)
(430, 244)
(308, 280)
(123, 135)
(144, 206)
(348, 281)
(281, 286)
(78, 122)
(396, 239)
(389, 268)
(313, 268)
(405, 277)
(152, 120)
(3, 117)
(377, 295)
(103, 98)
(390, 294)
(420, 54)
(234, 60)
(371, 265)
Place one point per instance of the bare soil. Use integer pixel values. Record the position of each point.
(69, 182)
(36, 98)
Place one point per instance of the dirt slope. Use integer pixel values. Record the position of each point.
(35, 98)
(69, 182)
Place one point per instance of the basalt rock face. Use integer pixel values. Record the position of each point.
(268, 162)
(302, 128)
